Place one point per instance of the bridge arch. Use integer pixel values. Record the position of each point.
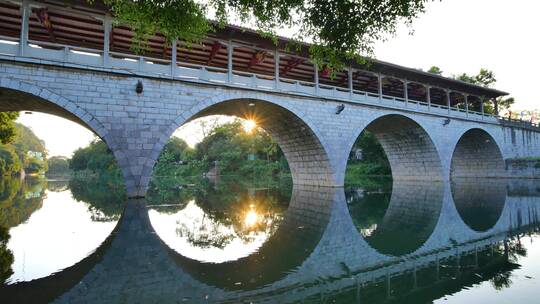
(17, 95)
(477, 154)
(297, 137)
(411, 152)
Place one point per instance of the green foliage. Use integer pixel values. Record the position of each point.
(58, 165)
(7, 126)
(338, 29)
(105, 196)
(374, 160)
(486, 78)
(183, 19)
(6, 256)
(95, 158)
(178, 159)
(369, 208)
(435, 70)
(35, 165)
(230, 146)
(15, 155)
(356, 171)
(10, 163)
(26, 141)
(19, 199)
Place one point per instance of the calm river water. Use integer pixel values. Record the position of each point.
(82, 241)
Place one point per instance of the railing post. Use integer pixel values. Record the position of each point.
(316, 76)
(406, 91)
(448, 100)
(428, 97)
(230, 50)
(276, 69)
(107, 27)
(66, 54)
(482, 107)
(174, 50)
(140, 63)
(466, 105)
(25, 16)
(351, 88)
(379, 76)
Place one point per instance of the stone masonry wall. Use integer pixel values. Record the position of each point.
(137, 126)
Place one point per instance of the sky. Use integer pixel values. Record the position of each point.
(459, 36)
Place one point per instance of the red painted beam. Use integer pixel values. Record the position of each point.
(291, 64)
(257, 58)
(43, 16)
(215, 49)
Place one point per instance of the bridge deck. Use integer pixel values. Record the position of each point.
(83, 36)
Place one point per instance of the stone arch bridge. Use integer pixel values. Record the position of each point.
(432, 128)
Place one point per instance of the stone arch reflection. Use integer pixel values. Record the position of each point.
(398, 219)
(297, 235)
(217, 222)
(479, 202)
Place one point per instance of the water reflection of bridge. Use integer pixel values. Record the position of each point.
(326, 255)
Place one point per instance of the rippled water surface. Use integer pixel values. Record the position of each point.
(234, 241)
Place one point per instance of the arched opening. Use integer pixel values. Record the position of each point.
(294, 138)
(394, 143)
(477, 155)
(52, 216)
(395, 218)
(479, 202)
(306, 156)
(220, 190)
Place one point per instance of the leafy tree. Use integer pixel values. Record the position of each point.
(10, 163)
(435, 70)
(335, 27)
(178, 159)
(35, 165)
(23, 142)
(486, 78)
(95, 158)
(230, 146)
(26, 140)
(58, 165)
(7, 126)
(374, 160)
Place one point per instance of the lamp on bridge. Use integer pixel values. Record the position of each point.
(340, 109)
(139, 87)
(446, 122)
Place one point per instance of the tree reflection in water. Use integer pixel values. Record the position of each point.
(28, 240)
(6, 256)
(105, 196)
(216, 222)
